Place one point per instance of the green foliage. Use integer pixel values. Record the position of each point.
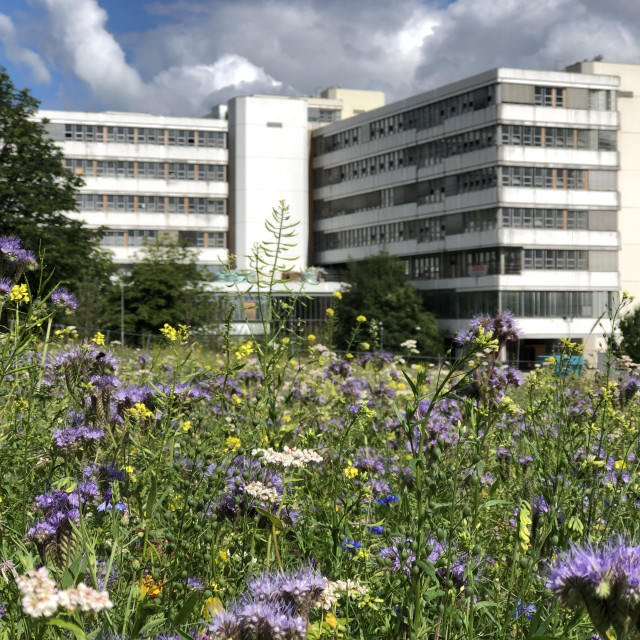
(380, 291)
(630, 330)
(166, 286)
(36, 190)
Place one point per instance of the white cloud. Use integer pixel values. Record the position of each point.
(203, 51)
(96, 57)
(17, 53)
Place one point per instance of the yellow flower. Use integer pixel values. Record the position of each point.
(233, 443)
(98, 339)
(131, 471)
(294, 362)
(330, 312)
(140, 411)
(19, 293)
(366, 346)
(337, 294)
(186, 425)
(361, 319)
(620, 464)
(311, 337)
(349, 355)
(286, 340)
(244, 350)
(350, 471)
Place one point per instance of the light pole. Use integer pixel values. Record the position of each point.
(118, 278)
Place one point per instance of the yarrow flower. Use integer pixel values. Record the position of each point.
(288, 457)
(606, 580)
(41, 598)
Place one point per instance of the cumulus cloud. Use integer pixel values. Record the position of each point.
(96, 57)
(475, 35)
(197, 52)
(17, 53)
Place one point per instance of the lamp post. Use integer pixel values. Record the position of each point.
(118, 278)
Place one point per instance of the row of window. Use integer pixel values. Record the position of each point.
(524, 304)
(496, 261)
(139, 237)
(422, 155)
(439, 227)
(140, 135)
(544, 177)
(559, 137)
(433, 153)
(518, 218)
(157, 170)
(559, 259)
(151, 204)
(436, 113)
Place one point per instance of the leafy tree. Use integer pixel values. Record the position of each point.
(167, 285)
(380, 291)
(36, 190)
(630, 330)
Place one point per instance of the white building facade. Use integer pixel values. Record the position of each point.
(499, 192)
(149, 175)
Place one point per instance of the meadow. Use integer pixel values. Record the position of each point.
(280, 490)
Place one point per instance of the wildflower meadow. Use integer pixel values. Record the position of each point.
(277, 489)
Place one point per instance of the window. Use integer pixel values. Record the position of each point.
(549, 96)
(138, 237)
(113, 239)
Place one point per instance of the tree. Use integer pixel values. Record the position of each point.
(167, 286)
(630, 330)
(380, 291)
(36, 190)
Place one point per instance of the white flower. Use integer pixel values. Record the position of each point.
(41, 598)
(261, 491)
(288, 457)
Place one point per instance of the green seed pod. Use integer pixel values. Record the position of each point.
(208, 538)
(466, 512)
(441, 535)
(437, 453)
(524, 563)
(441, 442)
(458, 624)
(475, 481)
(554, 541)
(477, 550)
(415, 570)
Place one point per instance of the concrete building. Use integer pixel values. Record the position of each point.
(498, 191)
(628, 107)
(149, 175)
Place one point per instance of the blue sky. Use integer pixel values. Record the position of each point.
(180, 57)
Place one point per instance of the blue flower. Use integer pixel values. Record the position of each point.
(352, 545)
(390, 499)
(375, 529)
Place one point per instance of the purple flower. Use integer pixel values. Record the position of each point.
(5, 287)
(606, 580)
(9, 247)
(72, 438)
(62, 299)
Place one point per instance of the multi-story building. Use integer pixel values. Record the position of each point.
(147, 175)
(498, 191)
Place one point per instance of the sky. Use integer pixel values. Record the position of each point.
(181, 57)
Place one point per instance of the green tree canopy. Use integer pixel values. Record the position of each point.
(167, 285)
(630, 330)
(380, 291)
(36, 190)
